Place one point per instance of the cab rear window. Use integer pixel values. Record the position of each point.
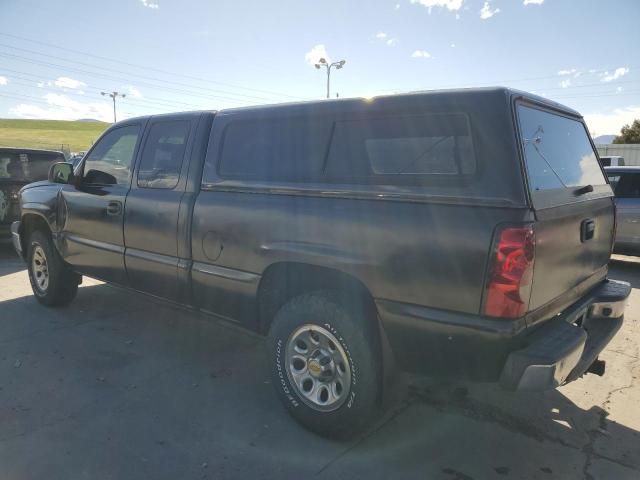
(557, 151)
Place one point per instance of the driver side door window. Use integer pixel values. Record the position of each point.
(110, 162)
(93, 224)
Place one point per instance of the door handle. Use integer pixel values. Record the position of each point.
(587, 230)
(114, 207)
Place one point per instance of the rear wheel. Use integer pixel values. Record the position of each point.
(325, 362)
(52, 281)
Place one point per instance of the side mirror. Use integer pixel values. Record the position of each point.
(61, 172)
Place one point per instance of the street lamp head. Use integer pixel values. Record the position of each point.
(342, 62)
(317, 66)
(103, 93)
(322, 60)
(123, 95)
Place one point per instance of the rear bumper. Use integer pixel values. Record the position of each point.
(564, 348)
(458, 345)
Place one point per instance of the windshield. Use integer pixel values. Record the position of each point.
(27, 167)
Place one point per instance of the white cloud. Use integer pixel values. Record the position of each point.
(453, 45)
(611, 123)
(397, 6)
(571, 71)
(70, 83)
(384, 37)
(533, 2)
(133, 92)
(617, 73)
(153, 4)
(486, 12)
(61, 107)
(316, 53)
(565, 83)
(451, 5)
(3, 80)
(421, 54)
(618, 90)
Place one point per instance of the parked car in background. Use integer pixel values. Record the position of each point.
(341, 228)
(611, 161)
(18, 167)
(625, 182)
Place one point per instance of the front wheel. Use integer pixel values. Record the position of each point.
(326, 362)
(52, 282)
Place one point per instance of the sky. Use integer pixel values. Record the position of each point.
(57, 56)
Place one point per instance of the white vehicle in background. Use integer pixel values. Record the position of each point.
(612, 161)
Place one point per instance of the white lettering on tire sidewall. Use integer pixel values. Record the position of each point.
(282, 376)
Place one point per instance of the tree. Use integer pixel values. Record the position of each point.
(629, 133)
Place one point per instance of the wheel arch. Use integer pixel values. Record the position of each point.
(284, 280)
(30, 222)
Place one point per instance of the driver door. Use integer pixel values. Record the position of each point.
(93, 208)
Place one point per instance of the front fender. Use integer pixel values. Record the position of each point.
(41, 201)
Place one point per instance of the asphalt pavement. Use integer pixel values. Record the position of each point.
(122, 386)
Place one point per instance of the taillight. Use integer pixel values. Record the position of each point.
(510, 273)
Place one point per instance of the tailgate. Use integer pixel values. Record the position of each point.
(573, 207)
(565, 259)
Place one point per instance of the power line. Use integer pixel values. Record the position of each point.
(279, 94)
(20, 96)
(150, 102)
(603, 95)
(120, 79)
(129, 73)
(505, 82)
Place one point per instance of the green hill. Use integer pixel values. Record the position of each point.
(50, 134)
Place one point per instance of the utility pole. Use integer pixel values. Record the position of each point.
(323, 63)
(113, 96)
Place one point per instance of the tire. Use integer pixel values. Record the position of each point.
(341, 398)
(52, 281)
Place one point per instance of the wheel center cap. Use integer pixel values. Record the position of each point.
(314, 368)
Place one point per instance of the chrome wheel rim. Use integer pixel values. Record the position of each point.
(40, 269)
(318, 368)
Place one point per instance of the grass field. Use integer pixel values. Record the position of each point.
(50, 134)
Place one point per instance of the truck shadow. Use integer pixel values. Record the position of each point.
(439, 415)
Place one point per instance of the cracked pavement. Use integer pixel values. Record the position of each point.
(119, 386)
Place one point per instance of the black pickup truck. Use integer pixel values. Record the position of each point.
(463, 233)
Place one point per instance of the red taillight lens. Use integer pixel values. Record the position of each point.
(510, 273)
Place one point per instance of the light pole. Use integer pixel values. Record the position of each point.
(323, 63)
(113, 96)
